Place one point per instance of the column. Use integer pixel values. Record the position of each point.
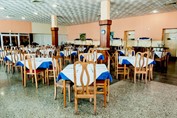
(54, 30)
(105, 24)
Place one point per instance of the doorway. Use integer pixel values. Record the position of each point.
(129, 37)
(170, 40)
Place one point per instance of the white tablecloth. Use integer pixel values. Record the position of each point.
(131, 60)
(68, 71)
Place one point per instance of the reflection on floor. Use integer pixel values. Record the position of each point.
(169, 77)
(126, 99)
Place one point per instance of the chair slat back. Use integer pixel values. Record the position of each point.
(130, 52)
(30, 60)
(84, 79)
(141, 61)
(57, 66)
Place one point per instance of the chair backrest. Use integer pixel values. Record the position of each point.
(83, 77)
(141, 61)
(130, 52)
(57, 66)
(30, 63)
(67, 52)
(14, 56)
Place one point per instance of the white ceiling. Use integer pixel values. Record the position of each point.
(72, 12)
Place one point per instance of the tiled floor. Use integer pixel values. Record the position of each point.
(127, 100)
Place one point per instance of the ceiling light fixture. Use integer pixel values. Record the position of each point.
(54, 5)
(2, 8)
(35, 13)
(155, 11)
(7, 16)
(23, 18)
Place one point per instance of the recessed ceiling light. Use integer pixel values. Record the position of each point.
(35, 13)
(23, 18)
(155, 11)
(54, 5)
(8, 17)
(1, 8)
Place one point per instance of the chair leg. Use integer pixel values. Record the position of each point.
(108, 90)
(95, 104)
(105, 92)
(152, 74)
(55, 92)
(43, 74)
(36, 81)
(24, 80)
(117, 74)
(146, 78)
(128, 73)
(76, 105)
(69, 93)
(134, 77)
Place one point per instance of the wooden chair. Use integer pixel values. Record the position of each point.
(10, 63)
(141, 65)
(94, 53)
(130, 52)
(82, 89)
(56, 68)
(103, 87)
(163, 60)
(87, 57)
(119, 69)
(2, 55)
(67, 55)
(30, 62)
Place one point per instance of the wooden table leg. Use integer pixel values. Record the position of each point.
(64, 91)
(124, 71)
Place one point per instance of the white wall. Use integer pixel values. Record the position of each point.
(42, 33)
(46, 28)
(46, 39)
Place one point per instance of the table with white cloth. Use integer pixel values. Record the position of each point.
(100, 56)
(46, 51)
(127, 60)
(42, 63)
(9, 58)
(63, 53)
(122, 52)
(161, 54)
(67, 73)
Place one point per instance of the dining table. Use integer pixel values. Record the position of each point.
(42, 63)
(130, 60)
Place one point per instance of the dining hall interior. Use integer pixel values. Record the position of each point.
(88, 58)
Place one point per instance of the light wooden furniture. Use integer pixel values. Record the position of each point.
(130, 52)
(30, 62)
(120, 69)
(2, 55)
(103, 86)
(67, 55)
(94, 53)
(56, 68)
(151, 66)
(141, 65)
(84, 90)
(163, 60)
